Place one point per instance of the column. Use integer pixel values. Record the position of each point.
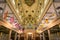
(1, 36)
(15, 36)
(18, 36)
(49, 34)
(43, 37)
(10, 34)
(40, 36)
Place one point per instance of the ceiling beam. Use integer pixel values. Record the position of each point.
(52, 24)
(45, 10)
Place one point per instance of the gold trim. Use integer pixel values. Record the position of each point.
(45, 10)
(8, 25)
(52, 24)
(13, 10)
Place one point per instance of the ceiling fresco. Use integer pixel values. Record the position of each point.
(28, 12)
(30, 15)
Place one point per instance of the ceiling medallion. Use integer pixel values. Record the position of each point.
(29, 2)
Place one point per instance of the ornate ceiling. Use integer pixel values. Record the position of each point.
(31, 15)
(28, 12)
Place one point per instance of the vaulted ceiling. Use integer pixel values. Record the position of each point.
(28, 11)
(31, 14)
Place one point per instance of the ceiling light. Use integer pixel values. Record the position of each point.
(29, 33)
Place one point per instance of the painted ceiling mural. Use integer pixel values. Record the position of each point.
(28, 14)
(49, 17)
(28, 11)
